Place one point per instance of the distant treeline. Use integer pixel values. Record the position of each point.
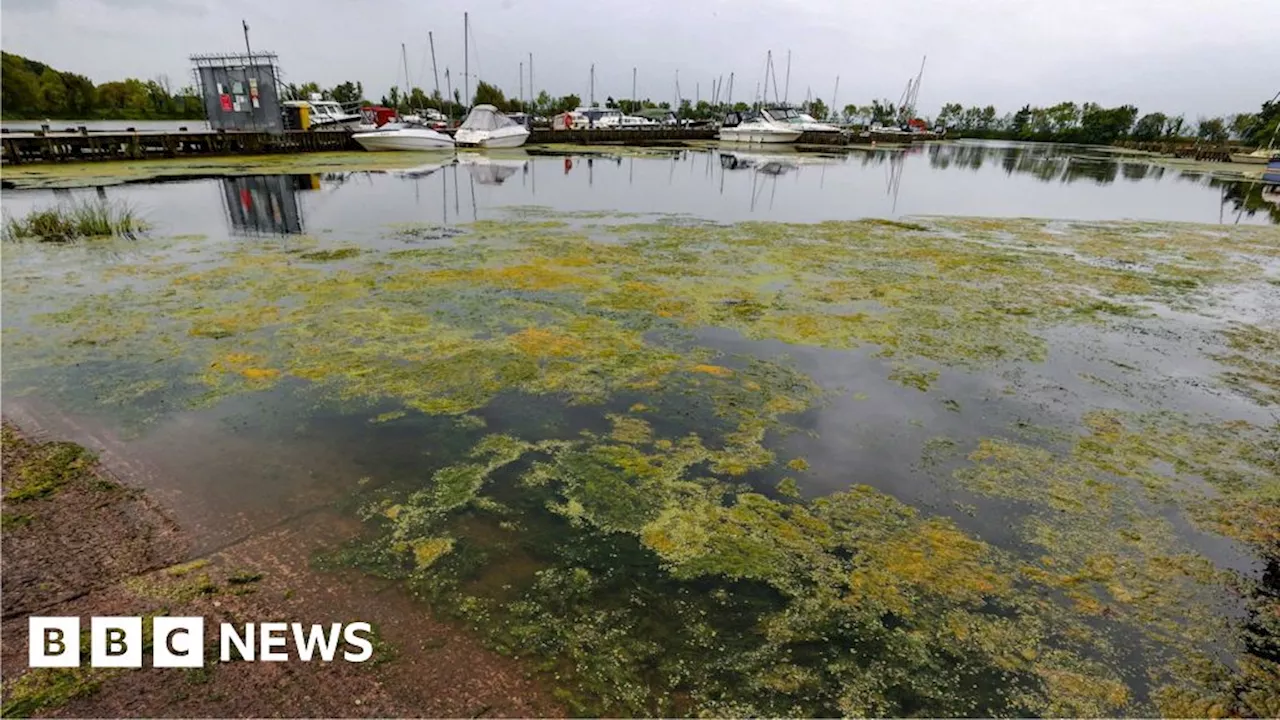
(1094, 124)
(33, 90)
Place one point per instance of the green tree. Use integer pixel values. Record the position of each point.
(1240, 124)
(818, 109)
(1021, 121)
(1212, 129)
(1266, 125)
(487, 94)
(1173, 126)
(1150, 127)
(348, 93)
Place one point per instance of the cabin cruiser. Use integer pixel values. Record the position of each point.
(803, 121)
(487, 128)
(598, 117)
(327, 114)
(403, 136)
(758, 127)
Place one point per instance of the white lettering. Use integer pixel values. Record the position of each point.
(327, 644)
(274, 635)
(349, 634)
(244, 646)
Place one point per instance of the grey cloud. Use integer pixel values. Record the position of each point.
(1189, 57)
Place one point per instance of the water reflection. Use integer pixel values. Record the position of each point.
(266, 204)
(785, 184)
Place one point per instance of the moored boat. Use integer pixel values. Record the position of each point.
(761, 127)
(399, 136)
(485, 127)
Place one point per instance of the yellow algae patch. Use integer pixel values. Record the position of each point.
(428, 550)
(717, 370)
(543, 342)
(260, 373)
(935, 558)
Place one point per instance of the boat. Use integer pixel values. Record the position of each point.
(487, 128)
(1257, 157)
(761, 127)
(801, 120)
(327, 114)
(569, 121)
(402, 136)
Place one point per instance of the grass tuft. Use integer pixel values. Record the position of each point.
(75, 220)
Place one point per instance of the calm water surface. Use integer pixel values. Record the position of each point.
(249, 460)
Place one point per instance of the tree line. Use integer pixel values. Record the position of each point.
(1094, 124)
(33, 90)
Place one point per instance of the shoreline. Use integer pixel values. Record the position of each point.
(81, 541)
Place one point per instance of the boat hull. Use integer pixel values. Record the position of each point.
(1250, 159)
(759, 136)
(466, 138)
(400, 141)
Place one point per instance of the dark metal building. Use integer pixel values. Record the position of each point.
(240, 91)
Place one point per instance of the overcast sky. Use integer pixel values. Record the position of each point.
(1198, 57)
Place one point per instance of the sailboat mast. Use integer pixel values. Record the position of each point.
(431, 39)
(593, 84)
(729, 100)
(775, 80)
(466, 60)
(786, 92)
(834, 93)
(915, 91)
(449, 86)
(633, 88)
(404, 57)
(522, 82)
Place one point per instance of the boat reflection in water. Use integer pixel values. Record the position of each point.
(266, 204)
(487, 170)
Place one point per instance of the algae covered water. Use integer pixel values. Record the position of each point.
(966, 430)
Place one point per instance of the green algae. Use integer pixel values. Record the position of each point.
(639, 562)
(115, 172)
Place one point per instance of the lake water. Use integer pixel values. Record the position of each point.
(968, 428)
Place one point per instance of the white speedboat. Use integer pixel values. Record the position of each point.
(399, 136)
(759, 127)
(487, 128)
(327, 114)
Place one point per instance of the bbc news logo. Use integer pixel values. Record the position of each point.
(178, 642)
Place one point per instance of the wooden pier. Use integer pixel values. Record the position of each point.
(83, 145)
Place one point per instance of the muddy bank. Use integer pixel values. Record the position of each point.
(79, 542)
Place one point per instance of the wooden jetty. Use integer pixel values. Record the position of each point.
(84, 145)
(80, 146)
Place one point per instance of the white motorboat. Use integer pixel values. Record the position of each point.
(327, 114)
(487, 128)
(761, 127)
(808, 123)
(399, 136)
(1257, 157)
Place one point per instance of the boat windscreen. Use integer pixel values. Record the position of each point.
(486, 117)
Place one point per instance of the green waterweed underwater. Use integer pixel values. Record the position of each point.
(614, 402)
